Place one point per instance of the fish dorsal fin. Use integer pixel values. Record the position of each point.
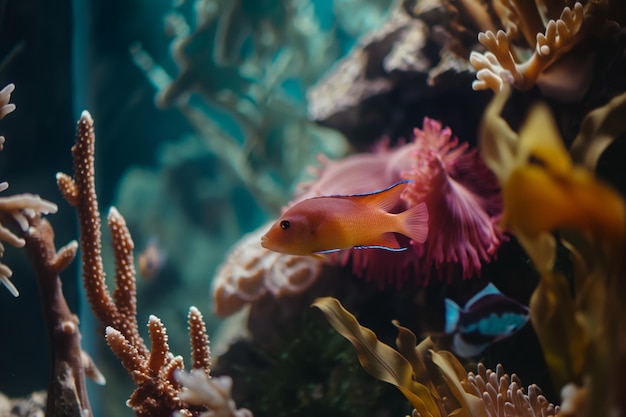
(489, 289)
(384, 199)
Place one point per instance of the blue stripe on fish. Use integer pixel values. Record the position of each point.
(487, 317)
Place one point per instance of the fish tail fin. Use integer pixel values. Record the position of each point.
(453, 315)
(414, 223)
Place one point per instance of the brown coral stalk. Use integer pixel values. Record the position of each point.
(80, 191)
(67, 394)
(153, 371)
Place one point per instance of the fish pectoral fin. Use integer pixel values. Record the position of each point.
(321, 253)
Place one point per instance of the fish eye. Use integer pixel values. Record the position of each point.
(285, 224)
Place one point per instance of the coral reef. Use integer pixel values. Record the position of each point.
(67, 390)
(504, 395)
(529, 197)
(15, 209)
(153, 370)
(544, 43)
(250, 272)
(435, 382)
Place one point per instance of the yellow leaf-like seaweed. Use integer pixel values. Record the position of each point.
(379, 359)
(579, 324)
(454, 373)
(563, 338)
(542, 189)
(598, 130)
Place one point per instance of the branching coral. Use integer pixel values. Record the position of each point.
(498, 66)
(67, 392)
(199, 389)
(17, 209)
(152, 370)
(461, 194)
(535, 43)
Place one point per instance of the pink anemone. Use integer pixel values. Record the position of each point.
(461, 194)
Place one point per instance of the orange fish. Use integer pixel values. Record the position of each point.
(151, 260)
(332, 223)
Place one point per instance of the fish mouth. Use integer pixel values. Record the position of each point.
(264, 242)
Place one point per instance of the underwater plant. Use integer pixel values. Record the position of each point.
(578, 321)
(435, 382)
(243, 71)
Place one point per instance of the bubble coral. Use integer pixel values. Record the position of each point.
(251, 271)
(461, 194)
(503, 395)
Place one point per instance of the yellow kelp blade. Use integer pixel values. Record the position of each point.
(598, 130)
(562, 337)
(540, 142)
(537, 201)
(378, 359)
(406, 342)
(454, 373)
(498, 142)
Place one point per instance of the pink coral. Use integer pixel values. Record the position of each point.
(462, 196)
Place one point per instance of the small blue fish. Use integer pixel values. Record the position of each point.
(489, 316)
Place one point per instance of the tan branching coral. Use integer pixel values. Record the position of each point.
(157, 390)
(540, 45)
(215, 393)
(498, 65)
(251, 271)
(152, 370)
(17, 209)
(118, 311)
(67, 391)
(5, 97)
